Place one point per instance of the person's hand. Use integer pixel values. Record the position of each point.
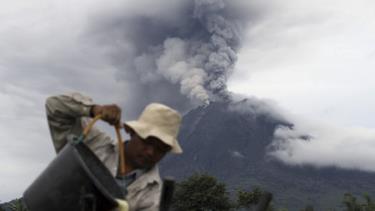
(110, 113)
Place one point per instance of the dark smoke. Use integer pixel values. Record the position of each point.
(187, 54)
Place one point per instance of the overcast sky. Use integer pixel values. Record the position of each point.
(314, 60)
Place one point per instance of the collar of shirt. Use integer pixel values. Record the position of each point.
(136, 179)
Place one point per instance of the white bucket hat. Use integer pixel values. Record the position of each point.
(159, 121)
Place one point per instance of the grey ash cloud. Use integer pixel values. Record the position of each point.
(183, 54)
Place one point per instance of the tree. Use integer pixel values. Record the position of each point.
(246, 199)
(14, 205)
(256, 199)
(370, 205)
(351, 203)
(201, 192)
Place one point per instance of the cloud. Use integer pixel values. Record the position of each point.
(258, 106)
(321, 144)
(315, 59)
(190, 46)
(236, 154)
(24, 139)
(300, 141)
(45, 50)
(43, 53)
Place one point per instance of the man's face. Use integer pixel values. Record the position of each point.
(145, 153)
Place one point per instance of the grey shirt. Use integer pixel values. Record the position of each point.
(69, 114)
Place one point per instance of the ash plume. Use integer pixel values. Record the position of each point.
(191, 46)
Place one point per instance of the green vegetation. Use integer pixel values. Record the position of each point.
(202, 192)
(246, 199)
(352, 204)
(14, 205)
(18, 206)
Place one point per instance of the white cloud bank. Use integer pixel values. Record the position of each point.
(321, 144)
(24, 147)
(316, 60)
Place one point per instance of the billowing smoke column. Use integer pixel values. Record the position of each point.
(196, 50)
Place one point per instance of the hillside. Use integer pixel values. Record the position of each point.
(231, 144)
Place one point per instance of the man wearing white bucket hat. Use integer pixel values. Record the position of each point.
(152, 136)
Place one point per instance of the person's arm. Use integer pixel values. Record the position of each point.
(69, 115)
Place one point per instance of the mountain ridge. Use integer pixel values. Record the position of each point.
(232, 144)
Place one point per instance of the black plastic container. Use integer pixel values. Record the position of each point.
(76, 180)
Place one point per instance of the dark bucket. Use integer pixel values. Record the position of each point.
(76, 180)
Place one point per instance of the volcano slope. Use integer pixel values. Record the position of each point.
(231, 144)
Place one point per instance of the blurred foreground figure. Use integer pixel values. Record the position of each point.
(152, 136)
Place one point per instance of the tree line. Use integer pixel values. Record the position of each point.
(203, 192)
